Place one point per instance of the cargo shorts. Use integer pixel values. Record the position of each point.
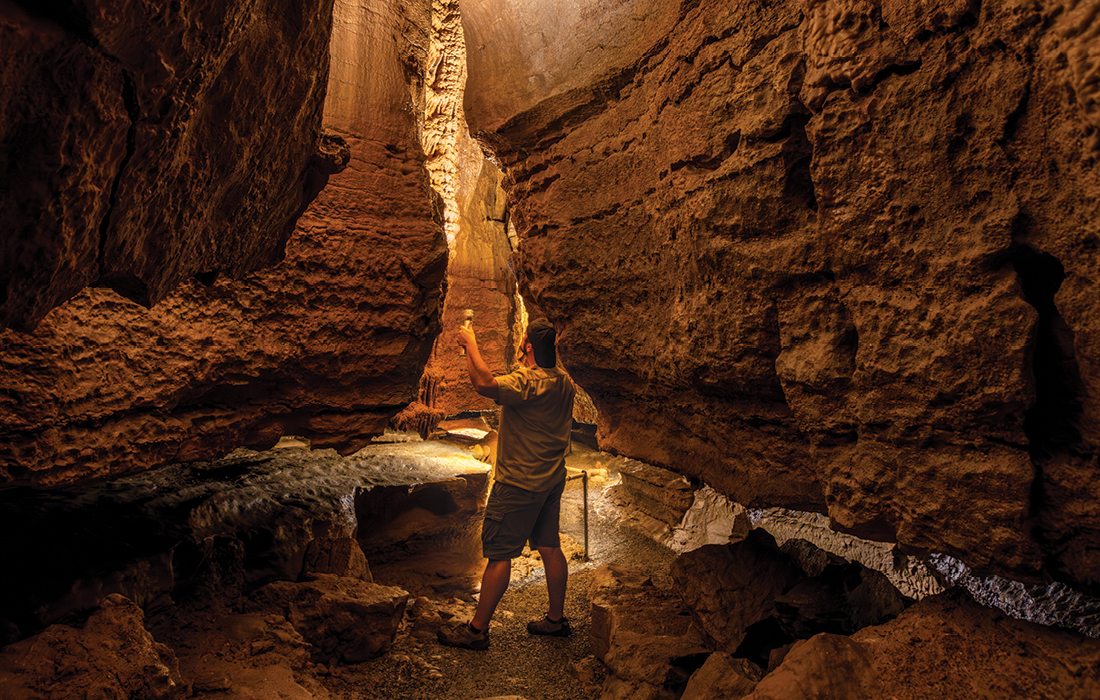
(514, 516)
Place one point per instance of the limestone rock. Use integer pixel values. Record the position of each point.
(217, 529)
(722, 676)
(248, 656)
(327, 345)
(844, 251)
(842, 597)
(654, 500)
(427, 615)
(808, 538)
(711, 519)
(479, 278)
(944, 646)
(729, 588)
(112, 655)
(152, 141)
(342, 617)
(336, 555)
(643, 634)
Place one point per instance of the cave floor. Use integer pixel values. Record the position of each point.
(516, 663)
(256, 655)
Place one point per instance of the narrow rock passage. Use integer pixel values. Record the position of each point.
(515, 663)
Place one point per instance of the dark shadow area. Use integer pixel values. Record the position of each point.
(1051, 424)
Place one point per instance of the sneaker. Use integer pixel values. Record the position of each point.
(460, 634)
(545, 627)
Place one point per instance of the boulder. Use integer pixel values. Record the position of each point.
(644, 635)
(336, 555)
(945, 646)
(341, 617)
(711, 519)
(111, 656)
(729, 588)
(722, 676)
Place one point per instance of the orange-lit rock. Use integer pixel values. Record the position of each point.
(812, 252)
(478, 278)
(327, 344)
(944, 646)
(147, 141)
(110, 656)
(341, 616)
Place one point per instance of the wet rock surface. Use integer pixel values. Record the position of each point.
(860, 241)
(328, 344)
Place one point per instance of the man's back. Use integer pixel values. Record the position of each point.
(534, 427)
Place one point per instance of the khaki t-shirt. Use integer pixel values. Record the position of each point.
(535, 424)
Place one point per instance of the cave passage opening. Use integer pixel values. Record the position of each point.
(482, 242)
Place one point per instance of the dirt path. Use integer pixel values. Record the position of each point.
(515, 663)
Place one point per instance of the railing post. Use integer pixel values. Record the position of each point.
(584, 483)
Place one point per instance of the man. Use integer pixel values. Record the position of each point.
(525, 501)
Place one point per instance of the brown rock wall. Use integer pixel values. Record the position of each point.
(327, 344)
(148, 141)
(812, 252)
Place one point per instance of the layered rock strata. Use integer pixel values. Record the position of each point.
(151, 141)
(328, 344)
(650, 499)
(835, 255)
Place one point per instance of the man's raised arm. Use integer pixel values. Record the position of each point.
(480, 375)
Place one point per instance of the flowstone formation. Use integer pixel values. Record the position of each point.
(327, 344)
(834, 255)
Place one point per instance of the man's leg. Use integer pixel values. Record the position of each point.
(557, 574)
(547, 540)
(494, 582)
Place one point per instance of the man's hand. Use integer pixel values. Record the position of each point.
(466, 337)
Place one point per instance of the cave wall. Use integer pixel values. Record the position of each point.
(479, 276)
(143, 142)
(327, 344)
(813, 252)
